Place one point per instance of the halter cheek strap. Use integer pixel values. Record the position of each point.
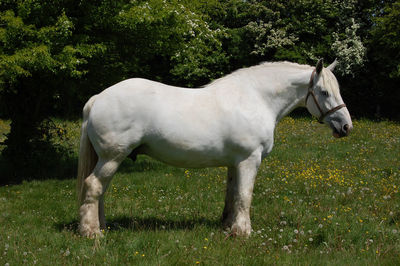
(311, 92)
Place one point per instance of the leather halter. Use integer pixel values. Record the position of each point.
(311, 92)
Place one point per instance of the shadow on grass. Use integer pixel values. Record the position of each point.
(140, 224)
(61, 164)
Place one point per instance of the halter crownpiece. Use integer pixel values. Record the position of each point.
(311, 92)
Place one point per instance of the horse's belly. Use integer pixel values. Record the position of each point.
(181, 155)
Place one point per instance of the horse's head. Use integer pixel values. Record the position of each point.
(325, 102)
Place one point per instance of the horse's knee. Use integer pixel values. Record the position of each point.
(93, 188)
(96, 184)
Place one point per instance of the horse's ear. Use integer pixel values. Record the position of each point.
(319, 66)
(332, 66)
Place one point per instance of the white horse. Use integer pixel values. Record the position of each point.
(229, 122)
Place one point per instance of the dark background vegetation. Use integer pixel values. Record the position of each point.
(55, 54)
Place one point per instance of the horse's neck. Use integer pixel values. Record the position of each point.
(286, 92)
(282, 89)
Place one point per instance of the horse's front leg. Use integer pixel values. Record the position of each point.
(236, 215)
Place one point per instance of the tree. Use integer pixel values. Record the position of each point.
(303, 31)
(384, 59)
(51, 55)
(38, 58)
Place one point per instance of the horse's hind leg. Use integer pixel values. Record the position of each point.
(102, 216)
(92, 207)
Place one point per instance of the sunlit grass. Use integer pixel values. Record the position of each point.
(4, 128)
(316, 200)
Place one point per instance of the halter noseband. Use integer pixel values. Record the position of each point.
(311, 92)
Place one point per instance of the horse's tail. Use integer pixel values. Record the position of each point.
(87, 155)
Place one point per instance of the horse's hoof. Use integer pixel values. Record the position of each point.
(91, 233)
(237, 229)
(240, 230)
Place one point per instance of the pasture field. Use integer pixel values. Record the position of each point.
(317, 200)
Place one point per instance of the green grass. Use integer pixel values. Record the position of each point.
(4, 128)
(317, 200)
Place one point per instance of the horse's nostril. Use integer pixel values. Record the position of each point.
(346, 129)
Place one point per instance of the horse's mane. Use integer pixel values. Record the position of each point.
(329, 78)
(261, 65)
(283, 63)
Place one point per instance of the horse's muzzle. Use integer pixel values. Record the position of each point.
(344, 131)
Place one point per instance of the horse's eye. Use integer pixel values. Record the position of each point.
(325, 93)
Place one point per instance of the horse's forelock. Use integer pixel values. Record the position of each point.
(330, 82)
